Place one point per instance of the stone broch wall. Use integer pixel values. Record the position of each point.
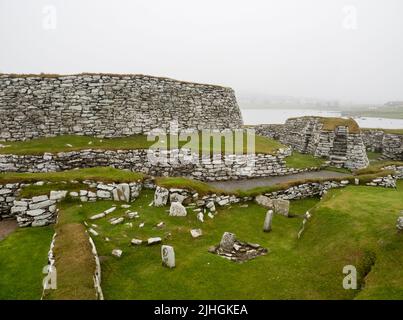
(109, 105)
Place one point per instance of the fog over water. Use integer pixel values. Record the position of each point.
(346, 50)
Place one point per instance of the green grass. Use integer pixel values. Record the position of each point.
(330, 123)
(35, 190)
(23, 254)
(105, 174)
(74, 143)
(373, 156)
(350, 226)
(354, 225)
(299, 161)
(75, 263)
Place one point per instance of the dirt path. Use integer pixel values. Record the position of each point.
(246, 184)
(7, 227)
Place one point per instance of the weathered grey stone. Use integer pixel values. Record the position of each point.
(399, 224)
(161, 196)
(196, 233)
(136, 241)
(35, 212)
(267, 221)
(57, 195)
(177, 210)
(117, 253)
(40, 205)
(168, 256)
(281, 206)
(122, 192)
(264, 201)
(227, 241)
(154, 240)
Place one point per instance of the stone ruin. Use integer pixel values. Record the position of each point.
(343, 146)
(236, 250)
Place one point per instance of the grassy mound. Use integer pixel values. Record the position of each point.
(104, 174)
(75, 143)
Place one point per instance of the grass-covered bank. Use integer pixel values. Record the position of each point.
(23, 254)
(204, 144)
(105, 174)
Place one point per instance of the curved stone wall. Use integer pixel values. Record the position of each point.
(105, 105)
(151, 162)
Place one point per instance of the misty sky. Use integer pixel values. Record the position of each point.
(306, 48)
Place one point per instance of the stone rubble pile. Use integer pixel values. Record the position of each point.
(235, 250)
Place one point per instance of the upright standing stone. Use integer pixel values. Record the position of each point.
(177, 210)
(399, 224)
(267, 221)
(121, 192)
(281, 206)
(168, 256)
(227, 241)
(161, 197)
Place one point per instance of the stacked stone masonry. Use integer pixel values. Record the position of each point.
(306, 135)
(153, 162)
(109, 105)
(391, 145)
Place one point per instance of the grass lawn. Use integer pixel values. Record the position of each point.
(23, 254)
(104, 174)
(299, 160)
(355, 225)
(75, 262)
(73, 143)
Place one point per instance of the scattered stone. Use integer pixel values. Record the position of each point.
(116, 221)
(132, 215)
(161, 224)
(177, 210)
(117, 252)
(196, 233)
(210, 215)
(136, 242)
(97, 216)
(267, 221)
(399, 224)
(200, 216)
(93, 232)
(154, 240)
(141, 225)
(168, 256)
(264, 201)
(125, 206)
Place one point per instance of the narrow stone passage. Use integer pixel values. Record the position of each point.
(246, 184)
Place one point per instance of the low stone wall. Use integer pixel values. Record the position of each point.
(313, 189)
(306, 135)
(41, 210)
(219, 167)
(391, 145)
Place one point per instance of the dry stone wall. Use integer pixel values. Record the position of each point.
(306, 135)
(109, 105)
(153, 162)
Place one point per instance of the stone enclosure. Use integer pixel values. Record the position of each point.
(342, 146)
(106, 105)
